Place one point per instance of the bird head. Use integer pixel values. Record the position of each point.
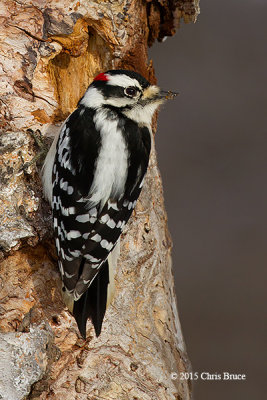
(128, 92)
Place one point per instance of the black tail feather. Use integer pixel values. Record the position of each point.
(93, 302)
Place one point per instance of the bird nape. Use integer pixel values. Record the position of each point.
(93, 175)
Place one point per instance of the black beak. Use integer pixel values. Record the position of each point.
(167, 95)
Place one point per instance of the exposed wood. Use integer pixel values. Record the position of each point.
(50, 51)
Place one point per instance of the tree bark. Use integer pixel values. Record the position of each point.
(50, 52)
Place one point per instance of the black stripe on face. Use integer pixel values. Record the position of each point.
(109, 91)
(115, 92)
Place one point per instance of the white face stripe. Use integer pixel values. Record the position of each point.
(92, 98)
(122, 80)
(120, 102)
(143, 115)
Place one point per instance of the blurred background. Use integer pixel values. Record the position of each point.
(212, 145)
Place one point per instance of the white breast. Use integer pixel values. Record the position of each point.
(112, 162)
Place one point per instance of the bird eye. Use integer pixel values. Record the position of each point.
(131, 91)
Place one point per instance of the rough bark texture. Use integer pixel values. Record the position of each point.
(50, 51)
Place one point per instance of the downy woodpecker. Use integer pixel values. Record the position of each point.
(92, 176)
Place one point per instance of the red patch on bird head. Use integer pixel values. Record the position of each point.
(101, 77)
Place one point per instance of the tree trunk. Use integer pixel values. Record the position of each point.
(51, 50)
